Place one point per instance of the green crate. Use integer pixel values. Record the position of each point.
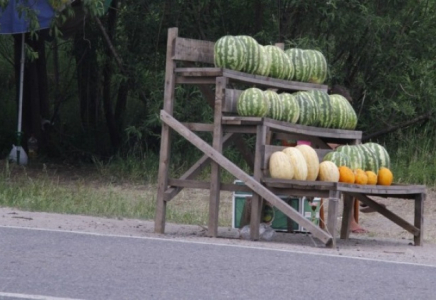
(280, 222)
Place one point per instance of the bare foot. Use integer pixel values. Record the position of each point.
(355, 228)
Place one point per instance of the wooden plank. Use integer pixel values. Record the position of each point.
(299, 184)
(236, 120)
(193, 50)
(255, 186)
(205, 185)
(332, 215)
(194, 80)
(214, 198)
(195, 169)
(387, 213)
(313, 131)
(199, 126)
(231, 100)
(408, 191)
(419, 219)
(165, 146)
(347, 216)
(299, 192)
(239, 129)
(193, 71)
(268, 82)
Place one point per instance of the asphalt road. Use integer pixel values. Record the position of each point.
(42, 264)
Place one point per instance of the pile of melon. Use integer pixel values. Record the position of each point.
(347, 164)
(311, 108)
(243, 53)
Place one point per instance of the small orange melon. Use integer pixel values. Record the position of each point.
(346, 174)
(360, 176)
(372, 177)
(385, 176)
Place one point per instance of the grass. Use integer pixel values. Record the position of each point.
(98, 191)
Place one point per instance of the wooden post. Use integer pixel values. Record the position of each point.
(332, 215)
(346, 216)
(217, 144)
(256, 200)
(419, 218)
(165, 145)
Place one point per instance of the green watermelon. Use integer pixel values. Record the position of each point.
(344, 116)
(381, 153)
(308, 109)
(325, 108)
(264, 62)
(230, 53)
(252, 102)
(291, 109)
(277, 69)
(288, 66)
(253, 54)
(275, 105)
(371, 162)
(338, 158)
(300, 63)
(318, 69)
(356, 160)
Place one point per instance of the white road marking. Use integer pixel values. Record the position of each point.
(177, 240)
(32, 297)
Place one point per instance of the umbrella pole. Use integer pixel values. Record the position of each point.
(20, 100)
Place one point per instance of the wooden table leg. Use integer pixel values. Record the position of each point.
(346, 216)
(419, 219)
(334, 197)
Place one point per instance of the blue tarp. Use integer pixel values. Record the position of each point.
(10, 21)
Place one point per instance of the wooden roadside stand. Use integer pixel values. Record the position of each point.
(190, 61)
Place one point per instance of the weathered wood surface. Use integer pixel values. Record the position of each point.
(419, 218)
(205, 185)
(247, 179)
(193, 50)
(165, 146)
(406, 191)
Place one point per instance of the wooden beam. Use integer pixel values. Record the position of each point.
(387, 213)
(419, 218)
(255, 186)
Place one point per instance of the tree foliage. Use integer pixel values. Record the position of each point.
(109, 84)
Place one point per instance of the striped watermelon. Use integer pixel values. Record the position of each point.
(252, 102)
(371, 162)
(300, 63)
(253, 54)
(291, 109)
(277, 69)
(356, 160)
(317, 65)
(381, 153)
(288, 66)
(230, 53)
(338, 158)
(344, 116)
(264, 62)
(308, 109)
(325, 108)
(275, 105)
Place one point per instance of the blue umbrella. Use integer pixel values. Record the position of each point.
(12, 21)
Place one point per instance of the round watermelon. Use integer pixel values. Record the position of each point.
(338, 158)
(277, 69)
(230, 53)
(308, 109)
(275, 105)
(251, 102)
(325, 108)
(300, 63)
(356, 160)
(291, 109)
(371, 162)
(264, 62)
(381, 153)
(317, 66)
(253, 54)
